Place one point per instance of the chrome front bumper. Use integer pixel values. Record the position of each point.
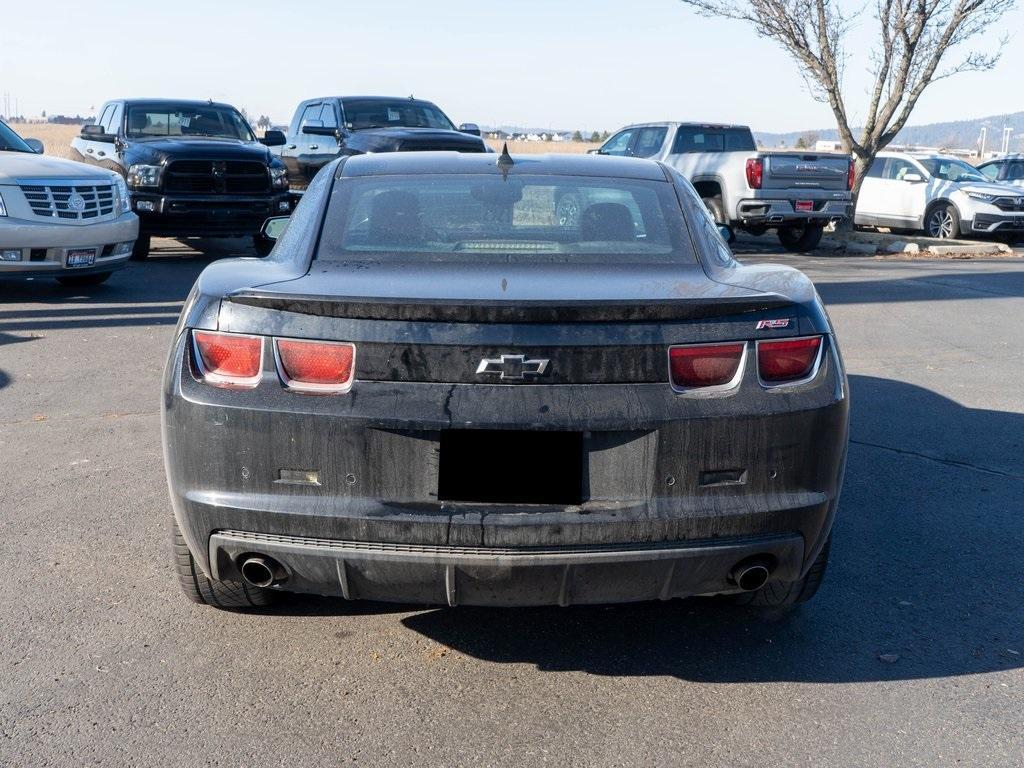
(44, 245)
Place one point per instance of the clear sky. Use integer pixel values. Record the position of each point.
(592, 64)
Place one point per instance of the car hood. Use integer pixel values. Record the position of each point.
(190, 148)
(402, 138)
(23, 165)
(988, 189)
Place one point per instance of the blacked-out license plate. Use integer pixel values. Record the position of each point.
(83, 257)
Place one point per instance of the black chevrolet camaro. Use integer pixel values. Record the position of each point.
(437, 390)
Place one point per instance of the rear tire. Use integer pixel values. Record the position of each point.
(200, 588)
(942, 221)
(140, 250)
(800, 237)
(781, 594)
(83, 281)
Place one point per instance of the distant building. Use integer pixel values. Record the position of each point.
(825, 145)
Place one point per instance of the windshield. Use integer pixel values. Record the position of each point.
(949, 169)
(379, 113)
(163, 120)
(10, 141)
(524, 219)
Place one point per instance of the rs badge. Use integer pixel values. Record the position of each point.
(781, 323)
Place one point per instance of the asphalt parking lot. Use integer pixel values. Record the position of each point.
(911, 654)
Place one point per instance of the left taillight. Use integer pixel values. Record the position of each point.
(228, 359)
(316, 366)
(755, 172)
(701, 366)
(787, 361)
(851, 176)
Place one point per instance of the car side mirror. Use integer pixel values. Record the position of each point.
(724, 232)
(471, 128)
(274, 138)
(35, 145)
(317, 128)
(913, 178)
(596, 151)
(273, 228)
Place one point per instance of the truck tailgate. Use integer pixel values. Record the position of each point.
(805, 171)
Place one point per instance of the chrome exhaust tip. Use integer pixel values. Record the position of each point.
(261, 571)
(750, 575)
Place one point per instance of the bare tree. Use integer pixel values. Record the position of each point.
(915, 38)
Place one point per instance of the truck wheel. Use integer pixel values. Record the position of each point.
(199, 588)
(717, 210)
(800, 237)
(779, 594)
(81, 281)
(942, 221)
(140, 250)
(262, 245)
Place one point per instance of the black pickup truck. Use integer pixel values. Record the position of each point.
(193, 168)
(324, 128)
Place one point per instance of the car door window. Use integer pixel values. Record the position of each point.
(896, 169)
(618, 144)
(693, 139)
(327, 116)
(311, 112)
(1015, 171)
(105, 116)
(991, 170)
(649, 141)
(113, 119)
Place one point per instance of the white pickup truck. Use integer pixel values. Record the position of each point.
(794, 192)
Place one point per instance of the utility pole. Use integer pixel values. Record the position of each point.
(981, 142)
(1007, 130)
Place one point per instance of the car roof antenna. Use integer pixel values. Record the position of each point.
(505, 162)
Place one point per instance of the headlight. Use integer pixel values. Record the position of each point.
(144, 176)
(279, 178)
(983, 197)
(3, 208)
(121, 204)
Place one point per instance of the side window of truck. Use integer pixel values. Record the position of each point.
(104, 116)
(112, 121)
(689, 139)
(327, 116)
(311, 112)
(618, 144)
(649, 141)
(1015, 171)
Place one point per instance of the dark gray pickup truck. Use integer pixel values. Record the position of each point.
(795, 192)
(325, 128)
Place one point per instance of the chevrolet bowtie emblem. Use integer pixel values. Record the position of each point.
(511, 367)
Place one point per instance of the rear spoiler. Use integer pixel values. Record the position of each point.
(453, 311)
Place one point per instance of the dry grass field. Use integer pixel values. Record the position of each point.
(57, 140)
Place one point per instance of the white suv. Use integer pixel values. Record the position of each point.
(59, 218)
(942, 195)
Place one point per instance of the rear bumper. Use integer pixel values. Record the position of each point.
(44, 246)
(207, 216)
(504, 576)
(654, 494)
(765, 210)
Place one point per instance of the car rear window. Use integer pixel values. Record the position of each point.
(482, 218)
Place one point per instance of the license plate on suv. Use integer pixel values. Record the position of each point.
(83, 257)
(805, 206)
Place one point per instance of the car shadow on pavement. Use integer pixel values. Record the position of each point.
(924, 580)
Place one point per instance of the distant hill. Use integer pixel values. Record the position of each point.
(958, 134)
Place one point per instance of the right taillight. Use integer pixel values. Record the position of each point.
(697, 366)
(851, 176)
(229, 359)
(755, 172)
(787, 360)
(316, 366)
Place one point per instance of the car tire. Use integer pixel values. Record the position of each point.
(781, 594)
(717, 211)
(262, 245)
(200, 588)
(140, 251)
(942, 221)
(800, 237)
(83, 281)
